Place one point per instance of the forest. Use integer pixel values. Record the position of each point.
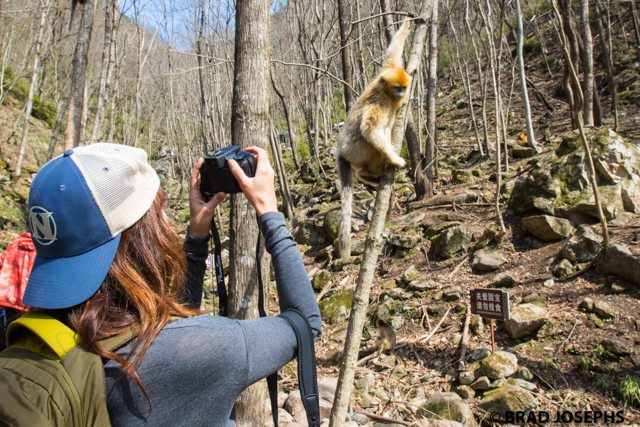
(521, 135)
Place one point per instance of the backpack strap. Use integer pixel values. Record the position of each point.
(59, 338)
(307, 375)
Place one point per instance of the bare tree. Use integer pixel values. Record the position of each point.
(250, 127)
(32, 88)
(373, 243)
(523, 81)
(80, 59)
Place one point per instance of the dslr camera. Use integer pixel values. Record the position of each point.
(215, 175)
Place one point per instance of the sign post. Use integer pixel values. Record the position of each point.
(490, 304)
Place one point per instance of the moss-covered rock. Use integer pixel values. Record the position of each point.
(547, 228)
(500, 364)
(525, 320)
(337, 306)
(320, 279)
(508, 398)
(331, 224)
(307, 234)
(450, 407)
(452, 241)
(559, 182)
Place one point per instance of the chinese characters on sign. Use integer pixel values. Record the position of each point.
(490, 303)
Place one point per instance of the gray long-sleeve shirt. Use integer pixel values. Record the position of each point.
(196, 367)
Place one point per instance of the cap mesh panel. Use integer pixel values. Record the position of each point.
(123, 184)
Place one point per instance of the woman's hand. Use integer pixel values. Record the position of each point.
(259, 190)
(201, 211)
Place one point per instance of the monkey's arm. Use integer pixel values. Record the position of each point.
(375, 130)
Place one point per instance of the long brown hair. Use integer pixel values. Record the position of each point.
(141, 289)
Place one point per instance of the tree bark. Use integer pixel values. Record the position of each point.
(32, 89)
(345, 51)
(608, 65)
(292, 141)
(587, 63)
(585, 143)
(109, 12)
(79, 75)
(574, 58)
(249, 127)
(423, 179)
(374, 242)
(432, 81)
(523, 81)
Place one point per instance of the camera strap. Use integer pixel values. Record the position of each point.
(217, 262)
(307, 375)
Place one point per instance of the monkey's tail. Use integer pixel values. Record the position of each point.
(346, 183)
(393, 58)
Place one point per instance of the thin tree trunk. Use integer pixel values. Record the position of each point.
(292, 141)
(422, 175)
(432, 81)
(109, 11)
(587, 63)
(608, 65)
(56, 129)
(345, 51)
(585, 143)
(374, 242)
(523, 82)
(78, 77)
(572, 40)
(32, 88)
(249, 127)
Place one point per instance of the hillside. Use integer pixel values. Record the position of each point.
(580, 353)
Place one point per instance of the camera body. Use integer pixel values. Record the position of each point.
(215, 175)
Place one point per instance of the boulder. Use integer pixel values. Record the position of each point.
(559, 183)
(465, 392)
(452, 241)
(477, 325)
(617, 346)
(481, 384)
(422, 285)
(410, 275)
(336, 307)
(453, 293)
(450, 407)
(521, 152)
(525, 320)
(500, 364)
(405, 241)
(320, 279)
(308, 235)
(583, 246)
(619, 261)
(503, 281)
(484, 260)
(601, 308)
(564, 268)
(547, 228)
(523, 373)
(331, 225)
(508, 398)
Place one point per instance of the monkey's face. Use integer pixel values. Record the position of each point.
(398, 91)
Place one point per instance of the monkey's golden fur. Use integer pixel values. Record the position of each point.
(387, 339)
(364, 142)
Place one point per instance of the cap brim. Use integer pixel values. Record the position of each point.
(65, 282)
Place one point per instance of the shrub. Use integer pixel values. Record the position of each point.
(45, 111)
(20, 90)
(630, 390)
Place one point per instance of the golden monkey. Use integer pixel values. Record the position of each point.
(387, 339)
(364, 142)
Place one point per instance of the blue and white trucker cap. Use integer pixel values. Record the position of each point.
(79, 204)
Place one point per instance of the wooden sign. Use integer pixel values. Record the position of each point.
(490, 303)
